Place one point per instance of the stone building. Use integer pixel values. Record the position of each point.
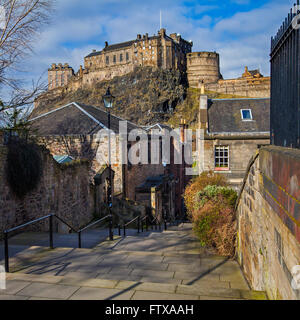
(73, 130)
(203, 70)
(203, 67)
(63, 189)
(230, 132)
(59, 75)
(160, 51)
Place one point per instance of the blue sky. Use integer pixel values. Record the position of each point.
(240, 30)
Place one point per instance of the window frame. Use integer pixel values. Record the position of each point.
(224, 148)
(250, 111)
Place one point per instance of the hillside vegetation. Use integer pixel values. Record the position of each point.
(145, 96)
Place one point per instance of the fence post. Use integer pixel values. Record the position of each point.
(165, 224)
(124, 230)
(119, 227)
(111, 234)
(51, 231)
(138, 220)
(6, 251)
(79, 239)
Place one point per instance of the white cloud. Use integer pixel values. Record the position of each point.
(80, 26)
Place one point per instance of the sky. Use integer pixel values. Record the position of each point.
(239, 30)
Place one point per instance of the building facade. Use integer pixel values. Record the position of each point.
(160, 51)
(230, 131)
(203, 71)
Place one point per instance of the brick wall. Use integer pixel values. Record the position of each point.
(269, 222)
(63, 190)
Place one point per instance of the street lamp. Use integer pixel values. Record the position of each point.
(108, 100)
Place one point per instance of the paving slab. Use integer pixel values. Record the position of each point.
(45, 290)
(14, 286)
(154, 273)
(142, 295)
(102, 294)
(12, 297)
(113, 276)
(147, 286)
(94, 283)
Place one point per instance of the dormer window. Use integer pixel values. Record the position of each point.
(246, 114)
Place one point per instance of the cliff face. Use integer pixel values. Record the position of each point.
(144, 96)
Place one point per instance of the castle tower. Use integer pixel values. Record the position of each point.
(203, 67)
(59, 75)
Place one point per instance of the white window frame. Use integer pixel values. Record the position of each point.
(224, 147)
(250, 115)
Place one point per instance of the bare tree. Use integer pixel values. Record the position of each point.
(20, 22)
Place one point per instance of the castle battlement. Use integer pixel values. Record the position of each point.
(160, 51)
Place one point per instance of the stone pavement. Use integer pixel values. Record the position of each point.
(167, 265)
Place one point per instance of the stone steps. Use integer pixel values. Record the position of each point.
(30, 286)
(159, 266)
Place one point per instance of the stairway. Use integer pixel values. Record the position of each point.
(167, 265)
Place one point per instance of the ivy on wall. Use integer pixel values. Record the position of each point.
(23, 167)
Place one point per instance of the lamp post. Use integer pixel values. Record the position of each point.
(108, 100)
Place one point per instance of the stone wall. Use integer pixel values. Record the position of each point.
(251, 88)
(63, 190)
(240, 152)
(269, 222)
(203, 67)
(86, 147)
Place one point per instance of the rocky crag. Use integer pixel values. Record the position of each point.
(145, 96)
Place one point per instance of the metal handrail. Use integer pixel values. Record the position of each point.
(142, 226)
(26, 224)
(130, 222)
(111, 235)
(60, 219)
(156, 224)
(50, 217)
(6, 232)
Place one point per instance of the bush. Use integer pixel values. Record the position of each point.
(210, 204)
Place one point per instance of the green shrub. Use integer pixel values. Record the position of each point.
(210, 203)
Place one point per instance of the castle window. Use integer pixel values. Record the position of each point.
(121, 57)
(127, 56)
(107, 60)
(221, 158)
(115, 59)
(246, 114)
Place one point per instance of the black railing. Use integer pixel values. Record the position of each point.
(50, 217)
(111, 235)
(285, 83)
(138, 219)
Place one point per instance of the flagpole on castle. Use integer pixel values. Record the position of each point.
(160, 20)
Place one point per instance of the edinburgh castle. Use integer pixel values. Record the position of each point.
(158, 51)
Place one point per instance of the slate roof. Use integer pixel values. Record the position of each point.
(117, 46)
(149, 183)
(76, 119)
(224, 116)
